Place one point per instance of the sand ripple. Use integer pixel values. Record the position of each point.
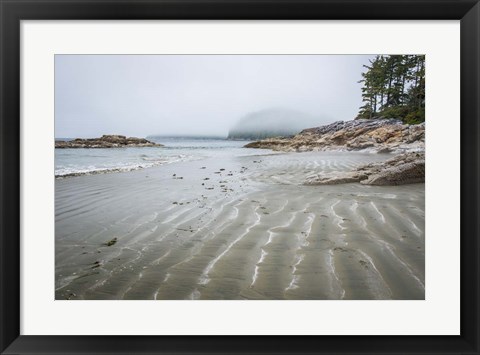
(251, 231)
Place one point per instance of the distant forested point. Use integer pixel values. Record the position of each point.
(394, 87)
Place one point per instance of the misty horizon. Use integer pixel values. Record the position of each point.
(199, 95)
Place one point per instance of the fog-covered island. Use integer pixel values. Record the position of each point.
(261, 177)
(271, 123)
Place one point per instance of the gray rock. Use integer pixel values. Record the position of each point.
(408, 168)
(378, 135)
(107, 141)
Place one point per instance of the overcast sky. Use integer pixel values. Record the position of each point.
(197, 95)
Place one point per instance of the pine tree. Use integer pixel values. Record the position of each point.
(394, 87)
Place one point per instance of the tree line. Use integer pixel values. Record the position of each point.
(394, 87)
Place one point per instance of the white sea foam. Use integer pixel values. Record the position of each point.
(102, 167)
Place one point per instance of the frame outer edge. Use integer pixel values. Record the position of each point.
(470, 176)
(3, 336)
(9, 175)
(10, 178)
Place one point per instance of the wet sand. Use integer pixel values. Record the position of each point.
(251, 231)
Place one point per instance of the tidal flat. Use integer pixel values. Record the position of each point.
(239, 228)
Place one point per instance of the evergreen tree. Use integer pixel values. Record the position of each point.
(394, 87)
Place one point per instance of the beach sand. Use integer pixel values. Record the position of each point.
(191, 230)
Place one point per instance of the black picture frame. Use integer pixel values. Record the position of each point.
(13, 11)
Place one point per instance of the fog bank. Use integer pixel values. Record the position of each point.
(141, 95)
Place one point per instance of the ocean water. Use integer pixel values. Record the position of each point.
(70, 162)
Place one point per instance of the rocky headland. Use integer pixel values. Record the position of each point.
(107, 141)
(379, 136)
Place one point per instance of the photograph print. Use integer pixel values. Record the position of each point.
(240, 177)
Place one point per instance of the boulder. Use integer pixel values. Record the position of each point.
(407, 168)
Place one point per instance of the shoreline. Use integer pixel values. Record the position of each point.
(267, 152)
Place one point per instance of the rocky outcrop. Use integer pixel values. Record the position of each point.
(107, 141)
(408, 168)
(381, 135)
